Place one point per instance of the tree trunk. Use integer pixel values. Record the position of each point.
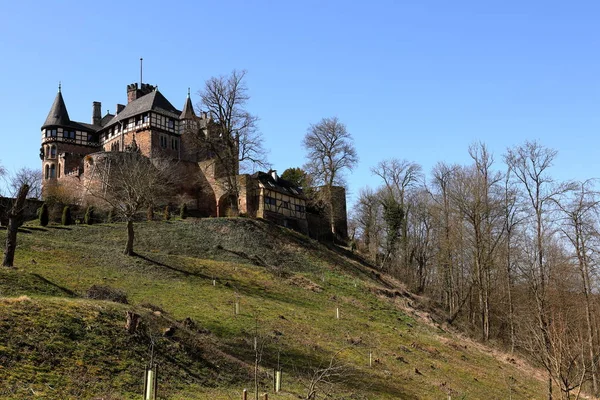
(14, 221)
(130, 237)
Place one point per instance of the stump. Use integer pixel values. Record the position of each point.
(133, 321)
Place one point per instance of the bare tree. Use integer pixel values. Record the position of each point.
(530, 163)
(477, 194)
(367, 217)
(29, 176)
(327, 374)
(442, 179)
(232, 136)
(331, 153)
(128, 182)
(581, 230)
(14, 221)
(398, 176)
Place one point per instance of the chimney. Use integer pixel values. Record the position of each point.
(96, 113)
(274, 175)
(120, 108)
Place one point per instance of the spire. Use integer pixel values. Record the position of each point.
(58, 114)
(188, 109)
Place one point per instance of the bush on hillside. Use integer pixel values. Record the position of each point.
(101, 292)
(44, 216)
(66, 216)
(88, 219)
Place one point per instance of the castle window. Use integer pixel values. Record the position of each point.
(51, 132)
(53, 151)
(47, 151)
(170, 123)
(90, 137)
(299, 208)
(72, 134)
(285, 204)
(47, 175)
(174, 144)
(146, 118)
(270, 201)
(52, 171)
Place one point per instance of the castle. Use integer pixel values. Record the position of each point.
(154, 127)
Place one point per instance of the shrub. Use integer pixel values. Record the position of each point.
(167, 214)
(88, 219)
(183, 211)
(101, 292)
(44, 216)
(66, 216)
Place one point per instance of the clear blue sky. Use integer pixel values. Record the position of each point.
(417, 80)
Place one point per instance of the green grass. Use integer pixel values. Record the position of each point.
(57, 344)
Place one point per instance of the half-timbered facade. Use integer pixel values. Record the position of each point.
(152, 125)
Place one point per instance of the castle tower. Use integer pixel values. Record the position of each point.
(64, 142)
(57, 119)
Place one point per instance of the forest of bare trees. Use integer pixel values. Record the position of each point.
(510, 253)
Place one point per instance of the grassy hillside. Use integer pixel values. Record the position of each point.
(57, 343)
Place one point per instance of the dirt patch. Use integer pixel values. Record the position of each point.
(304, 283)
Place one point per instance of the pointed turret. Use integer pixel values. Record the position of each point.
(188, 109)
(58, 115)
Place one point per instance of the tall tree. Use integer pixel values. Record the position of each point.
(128, 182)
(330, 153)
(581, 230)
(477, 194)
(367, 216)
(530, 163)
(398, 176)
(232, 136)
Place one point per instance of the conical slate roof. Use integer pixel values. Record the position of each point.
(188, 109)
(58, 114)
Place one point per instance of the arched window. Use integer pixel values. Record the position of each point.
(52, 171)
(47, 175)
(53, 151)
(47, 151)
